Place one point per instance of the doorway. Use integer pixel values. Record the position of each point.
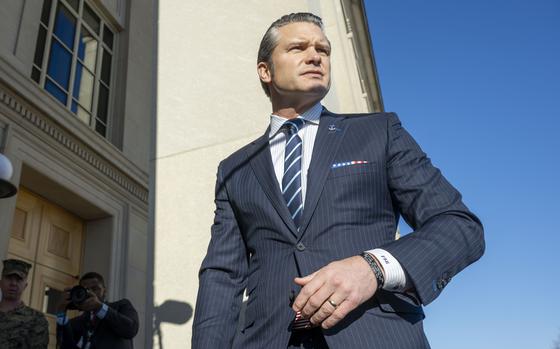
(51, 239)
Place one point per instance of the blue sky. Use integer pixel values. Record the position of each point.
(477, 83)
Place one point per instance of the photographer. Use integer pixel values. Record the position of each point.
(102, 324)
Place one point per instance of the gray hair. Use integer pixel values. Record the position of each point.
(270, 38)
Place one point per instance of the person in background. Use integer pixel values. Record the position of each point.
(102, 324)
(20, 326)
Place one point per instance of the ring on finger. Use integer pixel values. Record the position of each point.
(333, 303)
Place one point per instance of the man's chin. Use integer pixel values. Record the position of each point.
(308, 93)
(317, 91)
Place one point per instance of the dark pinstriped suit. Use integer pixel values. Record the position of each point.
(347, 210)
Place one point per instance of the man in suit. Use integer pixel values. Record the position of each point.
(102, 324)
(306, 217)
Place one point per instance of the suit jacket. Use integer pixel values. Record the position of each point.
(348, 209)
(114, 331)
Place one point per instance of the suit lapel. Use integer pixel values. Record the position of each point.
(261, 163)
(329, 137)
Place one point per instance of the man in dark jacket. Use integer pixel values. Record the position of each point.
(306, 217)
(102, 324)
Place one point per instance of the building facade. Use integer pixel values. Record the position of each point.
(77, 102)
(115, 114)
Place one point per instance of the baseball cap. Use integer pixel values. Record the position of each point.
(16, 267)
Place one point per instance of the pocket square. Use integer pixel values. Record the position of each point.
(349, 163)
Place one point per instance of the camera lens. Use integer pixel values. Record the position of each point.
(78, 294)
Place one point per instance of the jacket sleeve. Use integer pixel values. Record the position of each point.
(66, 334)
(222, 277)
(447, 237)
(122, 319)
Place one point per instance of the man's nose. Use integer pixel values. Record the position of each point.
(313, 57)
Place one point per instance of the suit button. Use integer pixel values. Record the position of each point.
(300, 246)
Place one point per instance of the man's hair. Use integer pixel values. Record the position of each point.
(93, 275)
(270, 38)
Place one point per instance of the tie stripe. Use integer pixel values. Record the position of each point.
(296, 160)
(287, 185)
(291, 180)
(292, 138)
(297, 211)
(292, 152)
(293, 197)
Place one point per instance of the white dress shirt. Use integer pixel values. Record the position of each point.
(395, 277)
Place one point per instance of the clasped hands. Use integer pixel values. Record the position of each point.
(330, 293)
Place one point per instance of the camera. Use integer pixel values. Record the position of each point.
(78, 294)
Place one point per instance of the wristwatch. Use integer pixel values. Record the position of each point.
(375, 268)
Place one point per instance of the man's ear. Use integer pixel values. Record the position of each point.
(264, 72)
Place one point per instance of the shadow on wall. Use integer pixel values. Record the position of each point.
(172, 312)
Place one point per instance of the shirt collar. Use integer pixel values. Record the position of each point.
(311, 115)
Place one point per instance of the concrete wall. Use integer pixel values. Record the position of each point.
(209, 104)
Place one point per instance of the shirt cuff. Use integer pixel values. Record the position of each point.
(395, 277)
(61, 319)
(101, 313)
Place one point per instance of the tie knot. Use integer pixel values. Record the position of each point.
(292, 126)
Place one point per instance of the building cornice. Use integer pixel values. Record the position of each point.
(47, 127)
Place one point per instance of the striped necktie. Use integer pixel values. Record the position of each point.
(291, 179)
(291, 189)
